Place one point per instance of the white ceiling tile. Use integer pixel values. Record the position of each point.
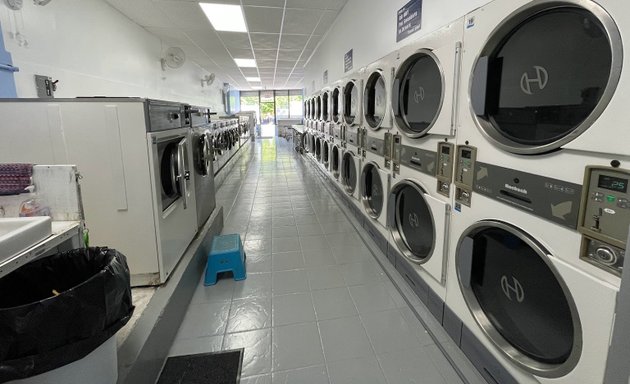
(266, 54)
(250, 72)
(262, 63)
(308, 4)
(288, 41)
(241, 53)
(300, 21)
(265, 3)
(286, 63)
(206, 39)
(184, 14)
(336, 4)
(283, 71)
(260, 19)
(265, 40)
(266, 71)
(328, 17)
(142, 12)
(235, 39)
(292, 54)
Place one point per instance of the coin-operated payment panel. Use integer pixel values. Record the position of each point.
(605, 217)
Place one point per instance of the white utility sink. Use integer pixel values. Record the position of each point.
(17, 234)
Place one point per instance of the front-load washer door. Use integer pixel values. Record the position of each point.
(349, 173)
(375, 100)
(518, 298)
(336, 152)
(336, 105)
(418, 95)
(419, 226)
(374, 185)
(351, 104)
(545, 76)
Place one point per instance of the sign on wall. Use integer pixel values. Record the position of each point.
(409, 19)
(325, 77)
(347, 61)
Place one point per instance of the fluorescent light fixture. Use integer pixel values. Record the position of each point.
(245, 63)
(253, 79)
(225, 17)
(257, 87)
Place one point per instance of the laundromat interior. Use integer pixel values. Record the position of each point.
(314, 191)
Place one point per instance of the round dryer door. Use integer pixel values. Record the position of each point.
(318, 107)
(318, 149)
(374, 100)
(335, 161)
(518, 298)
(348, 172)
(325, 157)
(536, 102)
(203, 154)
(413, 226)
(418, 93)
(336, 113)
(372, 193)
(325, 115)
(350, 102)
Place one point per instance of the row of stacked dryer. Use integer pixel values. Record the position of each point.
(488, 161)
(228, 135)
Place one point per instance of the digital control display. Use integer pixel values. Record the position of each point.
(613, 183)
(445, 150)
(466, 154)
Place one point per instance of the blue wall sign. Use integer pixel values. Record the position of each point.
(409, 19)
(347, 61)
(7, 81)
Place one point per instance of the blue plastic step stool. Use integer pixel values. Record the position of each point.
(226, 255)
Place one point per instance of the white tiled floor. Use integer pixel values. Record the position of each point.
(315, 307)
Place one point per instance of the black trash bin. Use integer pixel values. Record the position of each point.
(59, 309)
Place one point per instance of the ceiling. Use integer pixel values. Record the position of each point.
(282, 35)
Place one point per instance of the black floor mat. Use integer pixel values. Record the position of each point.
(205, 368)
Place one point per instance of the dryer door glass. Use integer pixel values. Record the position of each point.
(419, 94)
(318, 148)
(372, 191)
(335, 161)
(325, 106)
(169, 171)
(414, 223)
(351, 100)
(521, 296)
(349, 172)
(375, 100)
(325, 152)
(335, 105)
(545, 77)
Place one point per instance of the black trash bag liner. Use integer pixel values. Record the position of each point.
(57, 310)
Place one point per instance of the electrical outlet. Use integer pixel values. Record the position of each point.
(45, 87)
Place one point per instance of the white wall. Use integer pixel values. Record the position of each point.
(368, 27)
(92, 49)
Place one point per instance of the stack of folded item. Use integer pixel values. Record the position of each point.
(15, 178)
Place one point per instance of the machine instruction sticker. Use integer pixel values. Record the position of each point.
(347, 61)
(409, 19)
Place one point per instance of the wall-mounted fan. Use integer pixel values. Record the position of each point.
(41, 2)
(207, 80)
(174, 58)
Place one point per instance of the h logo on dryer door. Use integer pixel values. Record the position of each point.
(541, 79)
(414, 221)
(513, 289)
(418, 95)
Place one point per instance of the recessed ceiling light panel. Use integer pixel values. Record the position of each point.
(253, 79)
(245, 63)
(225, 17)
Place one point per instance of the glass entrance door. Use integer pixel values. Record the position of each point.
(267, 114)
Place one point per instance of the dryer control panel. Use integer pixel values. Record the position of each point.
(605, 217)
(444, 172)
(464, 173)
